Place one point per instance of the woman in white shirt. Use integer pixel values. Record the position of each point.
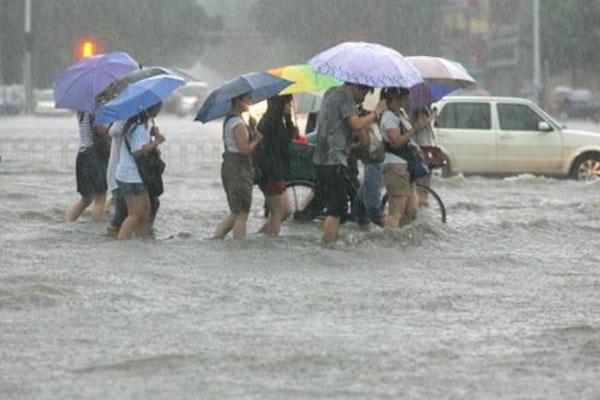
(397, 132)
(136, 142)
(237, 172)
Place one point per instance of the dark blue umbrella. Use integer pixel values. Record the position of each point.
(138, 96)
(260, 86)
(77, 87)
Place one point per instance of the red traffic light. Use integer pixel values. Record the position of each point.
(87, 48)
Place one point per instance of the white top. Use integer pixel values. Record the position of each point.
(228, 136)
(389, 120)
(126, 168)
(86, 133)
(116, 132)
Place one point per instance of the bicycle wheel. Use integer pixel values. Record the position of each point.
(434, 210)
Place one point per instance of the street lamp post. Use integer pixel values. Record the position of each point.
(27, 59)
(537, 63)
(0, 46)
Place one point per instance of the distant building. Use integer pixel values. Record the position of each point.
(509, 61)
(466, 32)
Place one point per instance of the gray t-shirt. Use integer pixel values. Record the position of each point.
(334, 135)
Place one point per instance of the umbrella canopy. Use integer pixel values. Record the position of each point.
(441, 75)
(77, 87)
(305, 79)
(441, 71)
(115, 88)
(260, 86)
(138, 97)
(367, 64)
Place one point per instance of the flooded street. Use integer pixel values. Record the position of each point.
(503, 302)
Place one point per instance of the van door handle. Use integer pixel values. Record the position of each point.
(506, 136)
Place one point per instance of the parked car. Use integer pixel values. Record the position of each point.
(12, 99)
(188, 99)
(44, 104)
(498, 135)
(575, 103)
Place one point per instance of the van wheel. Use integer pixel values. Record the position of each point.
(586, 167)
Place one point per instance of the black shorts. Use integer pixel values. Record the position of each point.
(334, 182)
(90, 170)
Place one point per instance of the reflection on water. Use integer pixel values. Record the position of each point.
(500, 303)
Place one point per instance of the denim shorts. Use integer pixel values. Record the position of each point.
(132, 189)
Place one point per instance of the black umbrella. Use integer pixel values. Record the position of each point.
(115, 88)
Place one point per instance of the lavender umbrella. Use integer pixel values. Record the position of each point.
(367, 64)
(77, 87)
(441, 76)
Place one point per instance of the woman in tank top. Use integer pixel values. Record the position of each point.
(237, 172)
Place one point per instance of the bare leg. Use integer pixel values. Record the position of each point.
(423, 195)
(77, 209)
(138, 217)
(410, 210)
(331, 229)
(286, 205)
(280, 211)
(99, 207)
(225, 227)
(270, 205)
(396, 211)
(240, 226)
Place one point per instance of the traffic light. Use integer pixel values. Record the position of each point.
(87, 50)
(87, 47)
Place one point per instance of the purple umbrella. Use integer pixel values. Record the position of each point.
(76, 88)
(367, 64)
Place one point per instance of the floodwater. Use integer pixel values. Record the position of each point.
(503, 302)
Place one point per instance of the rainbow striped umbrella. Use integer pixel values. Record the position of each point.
(305, 79)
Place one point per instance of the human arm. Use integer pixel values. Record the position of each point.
(397, 138)
(246, 144)
(156, 139)
(355, 122)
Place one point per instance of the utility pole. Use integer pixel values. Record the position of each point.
(537, 62)
(1, 44)
(27, 59)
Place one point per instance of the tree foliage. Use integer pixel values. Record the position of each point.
(154, 32)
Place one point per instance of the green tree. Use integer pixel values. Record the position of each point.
(154, 32)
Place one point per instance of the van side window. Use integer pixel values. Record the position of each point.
(465, 116)
(518, 117)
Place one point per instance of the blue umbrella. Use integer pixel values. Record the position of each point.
(138, 96)
(367, 64)
(76, 88)
(260, 86)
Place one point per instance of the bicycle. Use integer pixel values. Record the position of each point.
(302, 186)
